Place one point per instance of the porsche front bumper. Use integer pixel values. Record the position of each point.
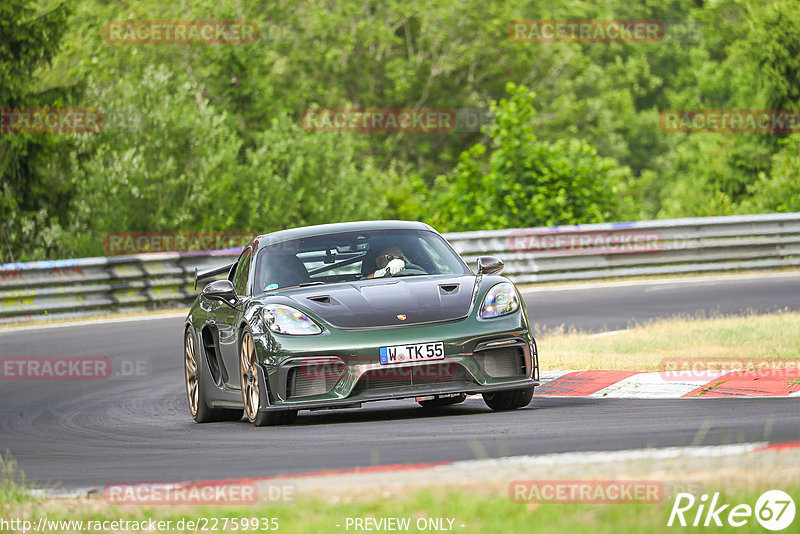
(307, 372)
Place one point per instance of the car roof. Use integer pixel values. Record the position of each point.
(335, 228)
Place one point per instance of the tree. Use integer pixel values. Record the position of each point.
(518, 181)
(780, 190)
(162, 161)
(30, 198)
(165, 161)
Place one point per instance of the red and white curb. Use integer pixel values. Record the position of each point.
(671, 384)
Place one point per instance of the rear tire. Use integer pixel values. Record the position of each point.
(509, 400)
(195, 388)
(440, 402)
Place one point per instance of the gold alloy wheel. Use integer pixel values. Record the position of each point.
(190, 366)
(249, 375)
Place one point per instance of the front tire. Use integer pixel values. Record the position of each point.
(195, 390)
(509, 400)
(251, 390)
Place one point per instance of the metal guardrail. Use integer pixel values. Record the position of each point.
(80, 287)
(669, 246)
(74, 288)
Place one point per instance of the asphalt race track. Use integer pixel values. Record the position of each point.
(612, 307)
(137, 427)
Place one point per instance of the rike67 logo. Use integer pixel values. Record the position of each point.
(774, 510)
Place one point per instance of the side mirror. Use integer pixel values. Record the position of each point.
(221, 290)
(489, 265)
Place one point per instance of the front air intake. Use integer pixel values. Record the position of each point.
(504, 362)
(305, 381)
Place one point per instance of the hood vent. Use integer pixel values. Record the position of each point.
(366, 304)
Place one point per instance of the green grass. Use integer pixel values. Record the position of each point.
(13, 486)
(644, 347)
(476, 514)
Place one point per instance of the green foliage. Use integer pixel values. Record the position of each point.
(779, 191)
(519, 181)
(160, 161)
(296, 178)
(774, 44)
(207, 137)
(748, 60)
(166, 160)
(31, 200)
(14, 488)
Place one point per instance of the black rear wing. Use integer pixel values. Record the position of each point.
(210, 273)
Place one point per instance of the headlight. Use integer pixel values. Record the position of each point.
(501, 300)
(287, 320)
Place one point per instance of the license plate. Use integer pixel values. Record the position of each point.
(412, 353)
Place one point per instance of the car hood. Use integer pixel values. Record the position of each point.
(389, 302)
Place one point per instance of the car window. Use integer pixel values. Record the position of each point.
(352, 256)
(242, 270)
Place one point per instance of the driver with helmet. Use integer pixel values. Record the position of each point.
(391, 260)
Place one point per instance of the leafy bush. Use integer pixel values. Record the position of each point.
(167, 160)
(518, 181)
(780, 191)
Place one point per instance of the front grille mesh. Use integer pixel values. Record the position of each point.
(504, 362)
(307, 381)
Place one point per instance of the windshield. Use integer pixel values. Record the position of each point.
(352, 256)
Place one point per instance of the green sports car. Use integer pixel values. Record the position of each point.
(335, 315)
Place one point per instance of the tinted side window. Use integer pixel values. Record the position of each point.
(242, 270)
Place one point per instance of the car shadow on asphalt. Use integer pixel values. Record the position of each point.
(390, 411)
(377, 413)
